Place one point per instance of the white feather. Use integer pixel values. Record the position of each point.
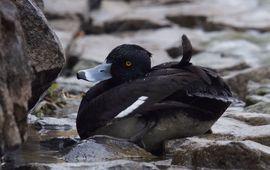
(132, 107)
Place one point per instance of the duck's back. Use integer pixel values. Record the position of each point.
(202, 90)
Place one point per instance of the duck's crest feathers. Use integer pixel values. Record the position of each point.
(187, 51)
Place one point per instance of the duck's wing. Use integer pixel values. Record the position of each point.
(126, 99)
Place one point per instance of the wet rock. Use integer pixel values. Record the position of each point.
(94, 4)
(192, 21)
(198, 14)
(241, 49)
(33, 167)
(217, 61)
(258, 92)
(58, 143)
(174, 52)
(131, 25)
(259, 19)
(15, 78)
(40, 4)
(51, 123)
(46, 59)
(254, 119)
(203, 153)
(102, 148)
(65, 8)
(118, 16)
(117, 164)
(240, 130)
(253, 99)
(238, 81)
(259, 88)
(261, 107)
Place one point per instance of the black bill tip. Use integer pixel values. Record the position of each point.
(81, 75)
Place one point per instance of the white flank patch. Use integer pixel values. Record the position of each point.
(132, 107)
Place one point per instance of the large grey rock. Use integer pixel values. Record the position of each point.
(204, 153)
(15, 77)
(31, 59)
(46, 58)
(100, 148)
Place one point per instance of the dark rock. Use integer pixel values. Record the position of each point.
(15, 77)
(46, 58)
(238, 81)
(259, 88)
(50, 123)
(253, 99)
(94, 4)
(203, 153)
(254, 119)
(101, 148)
(174, 52)
(33, 167)
(193, 21)
(131, 25)
(261, 107)
(58, 143)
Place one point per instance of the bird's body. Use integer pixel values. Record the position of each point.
(167, 101)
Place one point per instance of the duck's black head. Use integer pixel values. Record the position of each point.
(124, 63)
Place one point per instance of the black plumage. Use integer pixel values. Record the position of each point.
(170, 91)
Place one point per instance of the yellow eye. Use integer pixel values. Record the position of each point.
(128, 63)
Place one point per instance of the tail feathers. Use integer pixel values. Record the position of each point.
(187, 51)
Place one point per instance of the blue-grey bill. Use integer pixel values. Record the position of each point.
(99, 73)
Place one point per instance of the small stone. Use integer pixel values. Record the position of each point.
(58, 143)
(261, 107)
(238, 81)
(253, 99)
(259, 88)
(50, 123)
(101, 148)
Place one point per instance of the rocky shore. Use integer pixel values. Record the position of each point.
(230, 36)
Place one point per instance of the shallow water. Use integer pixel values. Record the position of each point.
(33, 152)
